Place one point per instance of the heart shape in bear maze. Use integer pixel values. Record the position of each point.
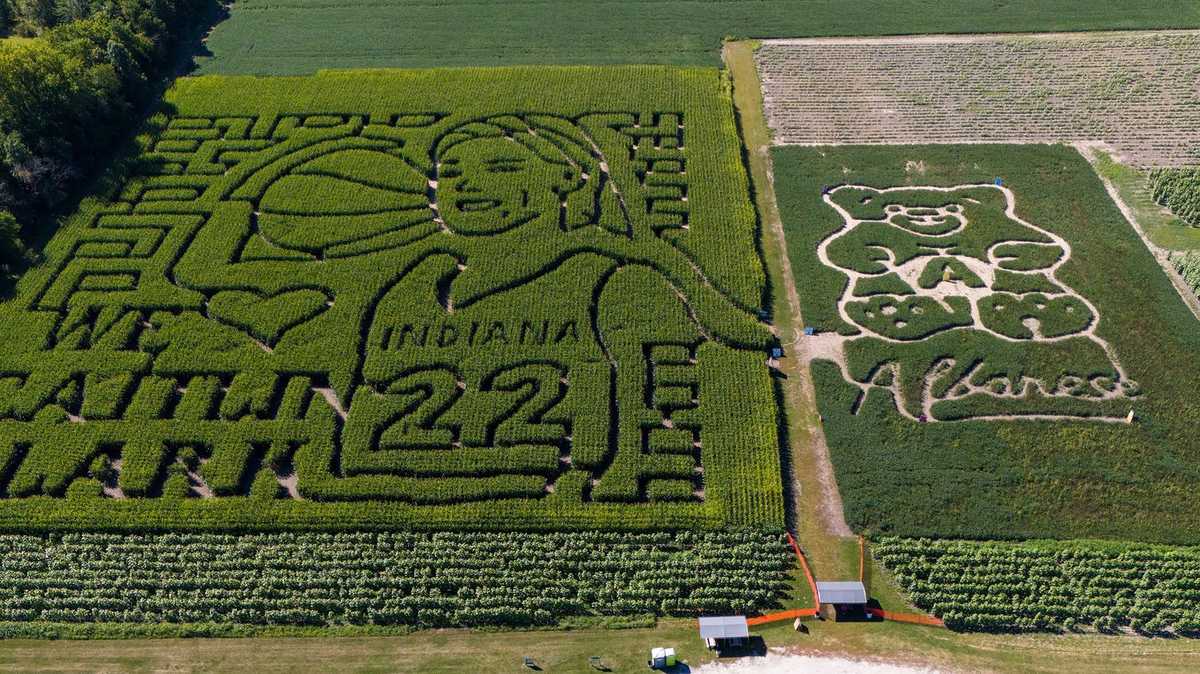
(267, 317)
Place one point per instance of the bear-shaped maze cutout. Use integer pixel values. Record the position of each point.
(926, 263)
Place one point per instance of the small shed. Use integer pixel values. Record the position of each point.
(845, 598)
(721, 632)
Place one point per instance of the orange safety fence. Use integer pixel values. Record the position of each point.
(782, 615)
(812, 584)
(798, 612)
(911, 618)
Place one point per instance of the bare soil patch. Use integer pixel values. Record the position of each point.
(775, 663)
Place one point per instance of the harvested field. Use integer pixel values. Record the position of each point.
(1139, 92)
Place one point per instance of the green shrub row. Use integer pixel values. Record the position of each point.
(1048, 586)
(1178, 190)
(1188, 266)
(422, 580)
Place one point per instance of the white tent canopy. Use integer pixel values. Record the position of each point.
(724, 627)
(841, 592)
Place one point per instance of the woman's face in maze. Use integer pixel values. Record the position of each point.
(491, 185)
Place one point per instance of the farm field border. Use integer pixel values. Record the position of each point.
(968, 38)
(1164, 229)
(445, 651)
(1096, 156)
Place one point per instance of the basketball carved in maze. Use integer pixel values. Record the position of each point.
(424, 308)
(959, 310)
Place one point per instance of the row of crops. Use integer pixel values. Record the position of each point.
(426, 580)
(1188, 266)
(1033, 586)
(1178, 190)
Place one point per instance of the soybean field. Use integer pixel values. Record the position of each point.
(1187, 263)
(508, 579)
(1179, 191)
(1049, 585)
(302, 36)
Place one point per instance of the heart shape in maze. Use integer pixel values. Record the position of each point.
(267, 317)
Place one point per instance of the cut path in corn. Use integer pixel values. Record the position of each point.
(818, 516)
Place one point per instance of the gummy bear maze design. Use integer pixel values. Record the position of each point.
(420, 308)
(959, 311)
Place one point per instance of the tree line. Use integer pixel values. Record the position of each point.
(74, 75)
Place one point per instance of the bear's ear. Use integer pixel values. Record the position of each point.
(975, 198)
(862, 203)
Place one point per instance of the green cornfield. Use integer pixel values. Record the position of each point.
(488, 299)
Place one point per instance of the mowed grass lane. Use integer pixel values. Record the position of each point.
(302, 36)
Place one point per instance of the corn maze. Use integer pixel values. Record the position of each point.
(499, 299)
(990, 359)
(924, 262)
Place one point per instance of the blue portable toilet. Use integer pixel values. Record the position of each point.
(809, 332)
(777, 353)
